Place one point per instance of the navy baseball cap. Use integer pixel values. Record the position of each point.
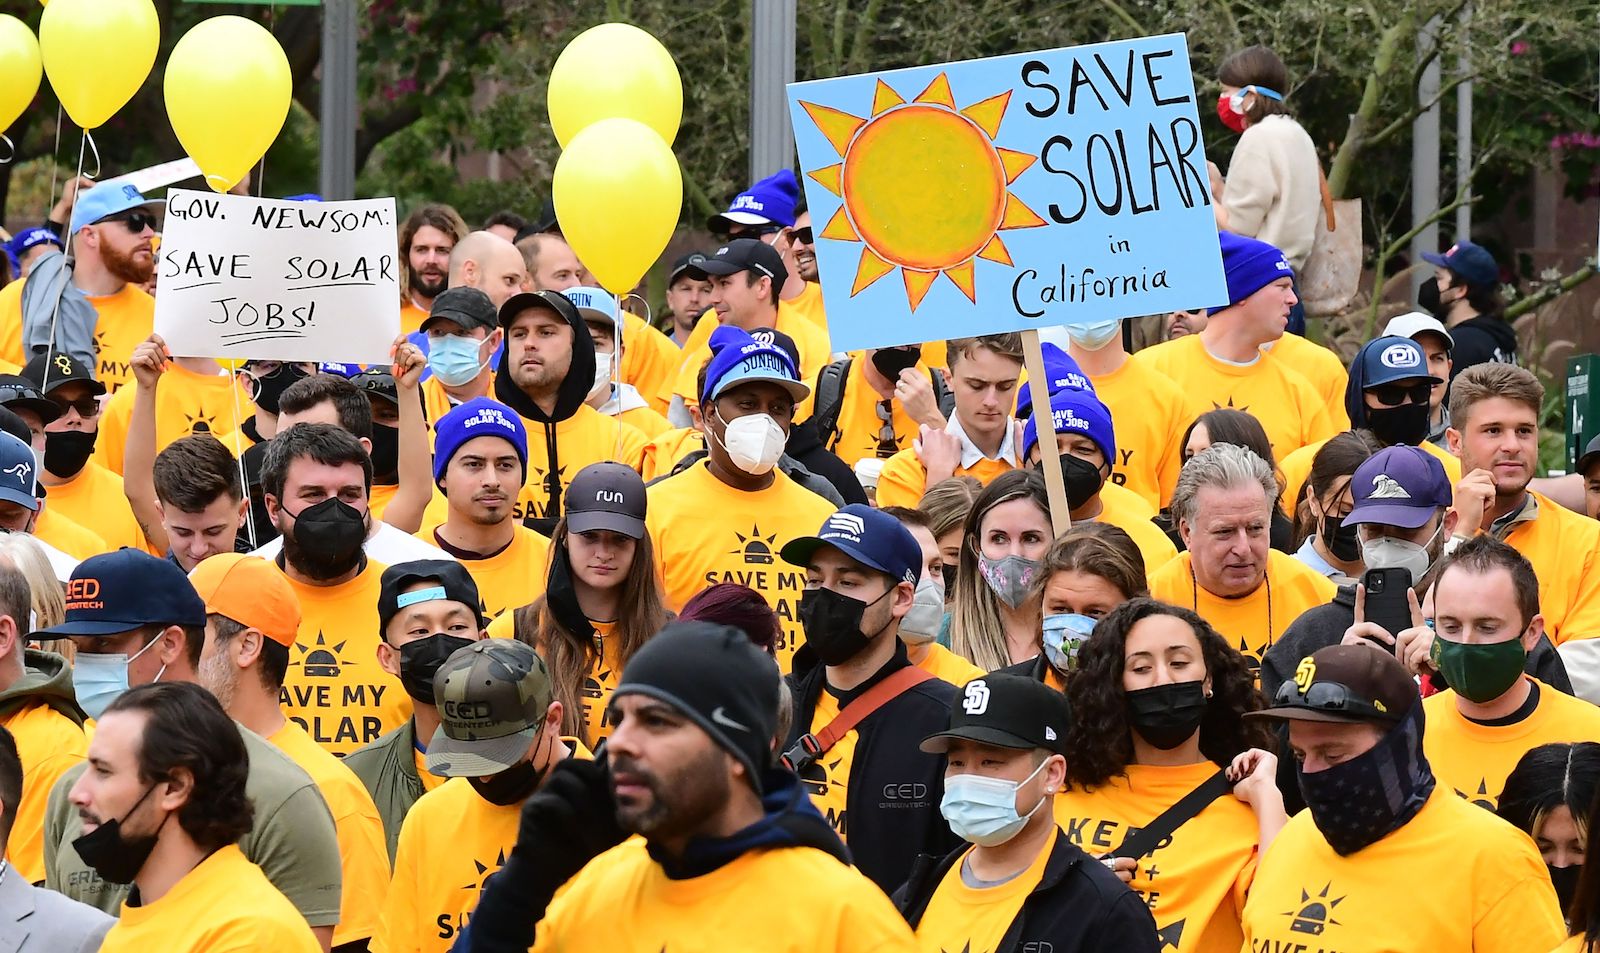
(30, 238)
(743, 254)
(478, 417)
(1079, 412)
(103, 201)
(17, 474)
(770, 201)
(1398, 486)
(1468, 261)
(869, 536)
(1393, 358)
(1061, 372)
(118, 592)
(739, 358)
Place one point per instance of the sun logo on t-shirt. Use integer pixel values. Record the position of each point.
(1229, 406)
(200, 423)
(1481, 797)
(1315, 913)
(1171, 935)
(755, 548)
(318, 660)
(484, 870)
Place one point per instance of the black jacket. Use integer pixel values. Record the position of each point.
(1482, 340)
(894, 788)
(806, 446)
(1079, 906)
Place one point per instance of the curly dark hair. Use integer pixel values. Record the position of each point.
(186, 729)
(1100, 746)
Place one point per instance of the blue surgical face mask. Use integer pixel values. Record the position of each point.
(453, 359)
(98, 680)
(983, 811)
(1093, 337)
(1064, 634)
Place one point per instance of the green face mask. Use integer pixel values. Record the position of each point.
(1479, 673)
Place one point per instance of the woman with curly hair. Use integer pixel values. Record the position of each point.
(1157, 711)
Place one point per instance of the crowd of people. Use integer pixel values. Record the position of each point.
(569, 631)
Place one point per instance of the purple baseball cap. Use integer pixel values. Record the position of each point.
(1398, 486)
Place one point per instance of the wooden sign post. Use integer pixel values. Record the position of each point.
(1050, 454)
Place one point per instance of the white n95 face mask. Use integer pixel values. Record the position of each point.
(754, 442)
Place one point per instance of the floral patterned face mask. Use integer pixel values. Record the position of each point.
(1011, 578)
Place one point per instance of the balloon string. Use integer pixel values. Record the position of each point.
(55, 164)
(66, 274)
(611, 394)
(238, 456)
(11, 150)
(96, 150)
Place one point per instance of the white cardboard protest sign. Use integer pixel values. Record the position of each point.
(266, 279)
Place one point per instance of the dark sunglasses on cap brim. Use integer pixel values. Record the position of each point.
(1329, 697)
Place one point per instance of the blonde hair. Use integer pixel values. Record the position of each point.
(45, 597)
(977, 626)
(947, 503)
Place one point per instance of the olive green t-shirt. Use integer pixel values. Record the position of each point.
(292, 840)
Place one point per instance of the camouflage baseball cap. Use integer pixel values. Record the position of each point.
(492, 697)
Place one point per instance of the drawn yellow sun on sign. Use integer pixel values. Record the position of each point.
(923, 185)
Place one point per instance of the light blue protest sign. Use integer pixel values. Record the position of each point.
(1062, 187)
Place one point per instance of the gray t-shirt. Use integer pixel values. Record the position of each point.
(293, 839)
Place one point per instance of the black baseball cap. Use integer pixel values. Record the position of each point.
(453, 584)
(1591, 454)
(744, 254)
(60, 368)
(548, 300)
(118, 592)
(467, 307)
(1345, 684)
(606, 496)
(19, 393)
(692, 260)
(378, 382)
(1007, 711)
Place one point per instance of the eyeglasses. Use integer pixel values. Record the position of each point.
(1393, 395)
(803, 236)
(136, 221)
(1331, 697)
(888, 440)
(85, 406)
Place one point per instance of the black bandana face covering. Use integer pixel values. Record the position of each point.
(1359, 802)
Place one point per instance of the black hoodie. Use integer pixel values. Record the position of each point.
(570, 396)
(1482, 340)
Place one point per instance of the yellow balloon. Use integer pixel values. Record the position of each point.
(97, 54)
(227, 89)
(618, 192)
(20, 69)
(615, 70)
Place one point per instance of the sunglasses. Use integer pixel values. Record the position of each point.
(749, 231)
(85, 406)
(803, 236)
(888, 440)
(1329, 696)
(1393, 395)
(136, 221)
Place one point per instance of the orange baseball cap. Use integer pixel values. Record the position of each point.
(251, 591)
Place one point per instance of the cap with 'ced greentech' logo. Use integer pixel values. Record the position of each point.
(492, 697)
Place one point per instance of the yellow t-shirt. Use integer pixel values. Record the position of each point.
(1296, 469)
(827, 779)
(436, 402)
(224, 905)
(125, 320)
(335, 688)
(450, 843)
(663, 453)
(363, 851)
(1123, 508)
(1151, 415)
(48, 743)
(960, 917)
(1251, 623)
(1562, 547)
(904, 479)
(705, 532)
(1196, 882)
(645, 420)
(1321, 368)
(513, 577)
(1474, 760)
(1574, 944)
(1271, 390)
(649, 359)
(411, 316)
(859, 425)
(1453, 878)
(586, 437)
(808, 304)
(809, 339)
(429, 780)
(67, 536)
(622, 902)
(94, 498)
(379, 496)
(186, 403)
(11, 322)
(946, 665)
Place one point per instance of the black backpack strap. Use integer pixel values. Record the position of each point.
(942, 394)
(830, 400)
(1149, 837)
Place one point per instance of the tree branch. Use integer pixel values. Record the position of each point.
(1405, 119)
(1344, 161)
(1550, 292)
(1121, 13)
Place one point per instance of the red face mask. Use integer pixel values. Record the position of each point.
(1225, 112)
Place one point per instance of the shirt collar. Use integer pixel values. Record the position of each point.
(970, 454)
(1527, 512)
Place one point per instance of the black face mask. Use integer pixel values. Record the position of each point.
(832, 623)
(511, 786)
(1565, 880)
(270, 389)
(1081, 478)
(1166, 716)
(1406, 424)
(326, 539)
(385, 454)
(66, 451)
(1359, 802)
(111, 854)
(1340, 539)
(421, 658)
(949, 571)
(890, 361)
